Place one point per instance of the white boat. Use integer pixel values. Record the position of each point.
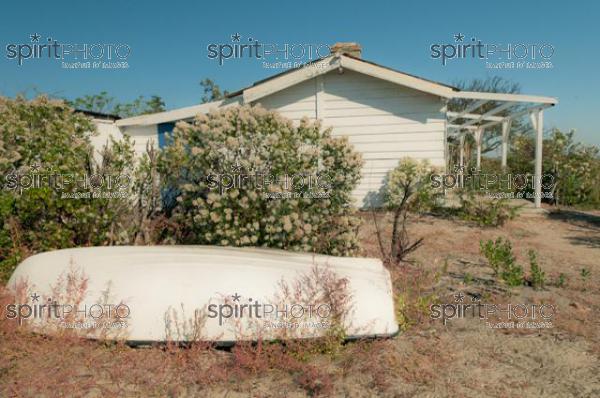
(221, 294)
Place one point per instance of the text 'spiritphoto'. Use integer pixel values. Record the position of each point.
(220, 199)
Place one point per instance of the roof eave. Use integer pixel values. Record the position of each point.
(175, 114)
(335, 61)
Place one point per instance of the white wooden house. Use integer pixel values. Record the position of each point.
(387, 114)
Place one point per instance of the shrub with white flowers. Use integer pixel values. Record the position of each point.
(246, 176)
(45, 153)
(407, 188)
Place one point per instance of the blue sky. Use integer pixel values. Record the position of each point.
(169, 40)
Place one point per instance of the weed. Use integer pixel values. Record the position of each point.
(315, 381)
(561, 281)
(484, 212)
(500, 257)
(468, 279)
(445, 266)
(538, 277)
(413, 295)
(513, 275)
(497, 253)
(585, 274)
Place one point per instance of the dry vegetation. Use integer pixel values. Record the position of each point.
(463, 358)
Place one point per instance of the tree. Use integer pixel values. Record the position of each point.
(495, 84)
(155, 104)
(212, 91)
(129, 109)
(103, 103)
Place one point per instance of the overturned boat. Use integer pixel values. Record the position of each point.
(146, 294)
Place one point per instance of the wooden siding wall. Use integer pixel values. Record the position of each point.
(383, 121)
(141, 136)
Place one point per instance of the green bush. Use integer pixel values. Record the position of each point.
(574, 166)
(39, 138)
(500, 257)
(46, 137)
(204, 160)
(538, 277)
(407, 188)
(485, 212)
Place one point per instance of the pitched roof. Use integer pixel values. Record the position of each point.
(288, 78)
(317, 61)
(176, 114)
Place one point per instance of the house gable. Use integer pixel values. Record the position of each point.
(384, 121)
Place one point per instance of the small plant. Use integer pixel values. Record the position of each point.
(585, 274)
(401, 308)
(445, 267)
(497, 253)
(413, 297)
(315, 381)
(538, 277)
(468, 279)
(513, 275)
(410, 310)
(561, 281)
(484, 212)
(500, 257)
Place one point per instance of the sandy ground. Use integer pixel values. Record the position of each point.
(463, 358)
(562, 361)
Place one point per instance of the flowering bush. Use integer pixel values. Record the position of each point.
(409, 185)
(407, 188)
(40, 139)
(246, 176)
(573, 165)
(575, 168)
(45, 138)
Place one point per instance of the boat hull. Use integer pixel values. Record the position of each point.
(220, 294)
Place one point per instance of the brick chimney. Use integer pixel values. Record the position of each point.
(350, 48)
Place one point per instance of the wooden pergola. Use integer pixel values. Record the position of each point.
(469, 121)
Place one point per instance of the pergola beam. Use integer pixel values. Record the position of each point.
(459, 127)
(522, 131)
(490, 113)
(517, 115)
(475, 105)
(475, 116)
(475, 125)
(505, 97)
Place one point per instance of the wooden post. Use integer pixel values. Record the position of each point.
(537, 120)
(462, 157)
(505, 129)
(478, 137)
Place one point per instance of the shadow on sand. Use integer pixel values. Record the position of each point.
(587, 225)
